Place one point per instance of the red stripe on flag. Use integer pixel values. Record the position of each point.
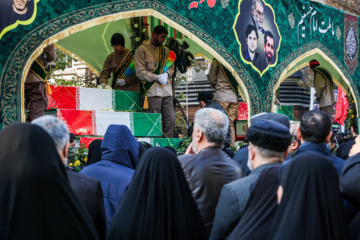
(85, 141)
(79, 122)
(63, 97)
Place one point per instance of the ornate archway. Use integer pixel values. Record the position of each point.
(299, 59)
(18, 64)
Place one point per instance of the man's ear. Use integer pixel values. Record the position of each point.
(65, 150)
(199, 135)
(298, 134)
(251, 152)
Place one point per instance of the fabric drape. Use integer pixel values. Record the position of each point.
(36, 201)
(311, 206)
(158, 204)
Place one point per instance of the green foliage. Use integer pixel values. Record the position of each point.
(183, 146)
(76, 81)
(77, 157)
(61, 61)
(138, 31)
(352, 114)
(197, 65)
(180, 123)
(308, 79)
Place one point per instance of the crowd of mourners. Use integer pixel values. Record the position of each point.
(284, 184)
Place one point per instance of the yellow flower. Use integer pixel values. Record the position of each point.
(71, 164)
(85, 159)
(77, 163)
(352, 116)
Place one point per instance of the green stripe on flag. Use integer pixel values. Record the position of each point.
(287, 110)
(126, 101)
(163, 142)
(146, 124)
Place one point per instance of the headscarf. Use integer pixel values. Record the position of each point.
(311, 206)
(260, 209)
(95, 153)
(158, 204)
(36, 201)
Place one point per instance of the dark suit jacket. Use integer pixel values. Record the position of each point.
(89, 192)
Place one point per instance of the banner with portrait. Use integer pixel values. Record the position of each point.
(258, 34)
(16, 12)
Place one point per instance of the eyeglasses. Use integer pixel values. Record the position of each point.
(260, 13)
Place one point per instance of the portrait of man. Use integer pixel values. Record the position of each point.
(269, 43)
(251, 41)
(20, 6)
(258, 36)
(257, 15)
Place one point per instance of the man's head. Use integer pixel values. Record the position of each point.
(20, 6)
(257, 10)
(159, 35)
(118, 42)
(295, 142)
(355, 127)
(269, 141)
(269, 46)
(251, 38)
(210, 129)
(314, 63)
(205, 98)
(58, 132)
(315, 127)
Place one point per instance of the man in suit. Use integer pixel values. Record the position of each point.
(87, 189)
(269, 141)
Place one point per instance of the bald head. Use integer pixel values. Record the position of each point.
(315, 126)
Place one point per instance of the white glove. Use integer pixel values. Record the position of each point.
(101, 86)
(163, 78)
(121, 82)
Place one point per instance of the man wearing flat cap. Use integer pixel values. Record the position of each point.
(117, 63)
(242, 155)
(268, 144)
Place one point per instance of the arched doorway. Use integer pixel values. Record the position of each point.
(12, 100)
(299, 59)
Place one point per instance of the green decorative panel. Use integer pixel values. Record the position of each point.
(126, 101)
(146, 124)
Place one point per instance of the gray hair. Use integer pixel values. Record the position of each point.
(294, 126)
(267, 153)
(56, 129)
(253, 6)
(213, 123)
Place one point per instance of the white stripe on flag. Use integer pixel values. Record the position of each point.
(104, 119)
(95, 99)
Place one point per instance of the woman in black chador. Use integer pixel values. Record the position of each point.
(36, 201)
(158, 204)
(311, 207)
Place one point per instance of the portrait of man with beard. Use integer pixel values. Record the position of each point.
(269, 49)
(13, 11)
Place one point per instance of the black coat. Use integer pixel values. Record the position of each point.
(89, 192)
(207, 172)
